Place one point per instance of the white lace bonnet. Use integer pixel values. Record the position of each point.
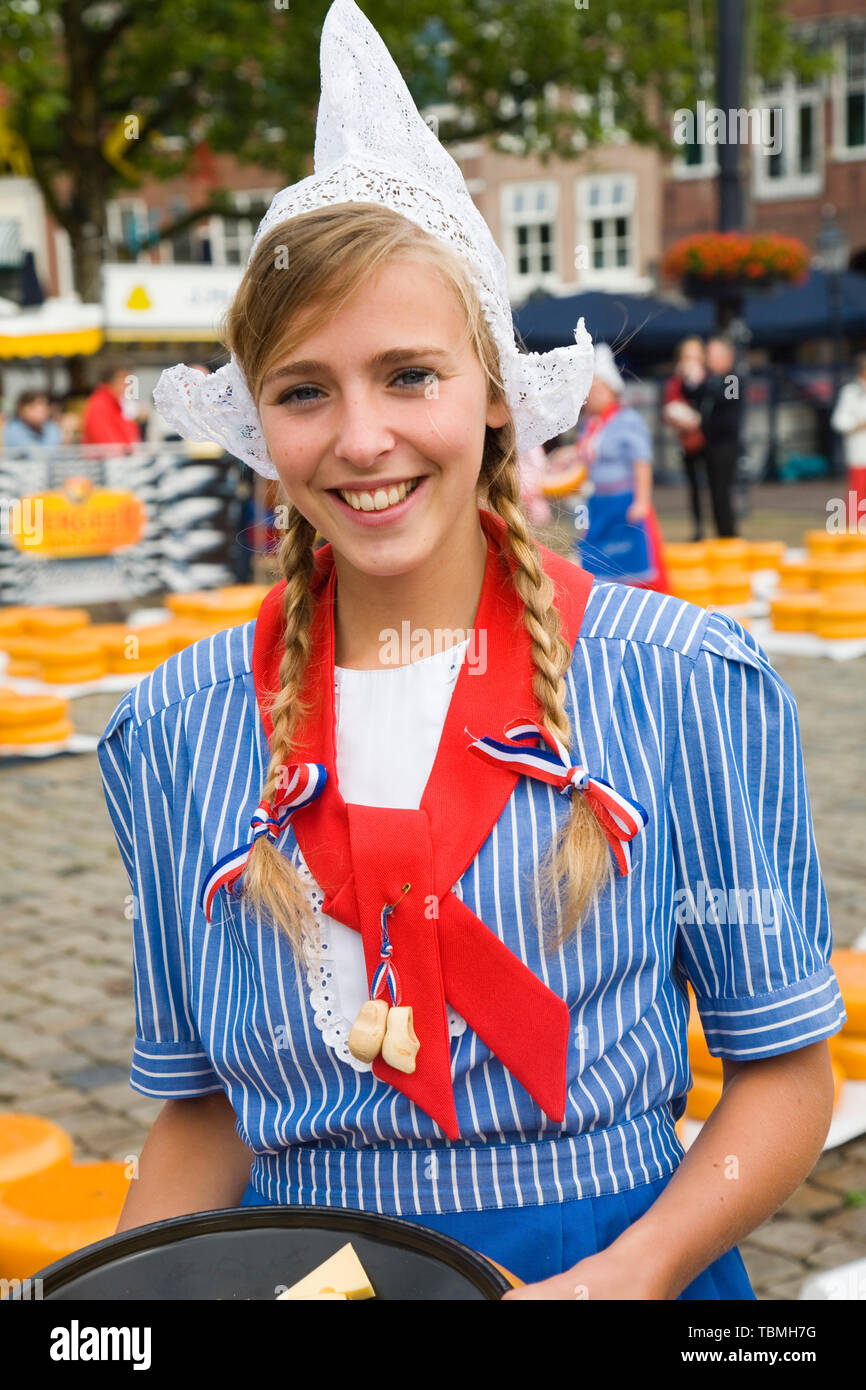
(372, 145)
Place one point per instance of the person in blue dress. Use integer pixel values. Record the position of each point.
(623, 539)
(667, 764)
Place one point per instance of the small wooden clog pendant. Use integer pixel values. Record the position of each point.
(400, 1044)
(368, 1030)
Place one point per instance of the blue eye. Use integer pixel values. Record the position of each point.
(423, 376)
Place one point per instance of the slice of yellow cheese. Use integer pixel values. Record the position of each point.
(342, 1275)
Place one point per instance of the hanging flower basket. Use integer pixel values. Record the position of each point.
(721, 264)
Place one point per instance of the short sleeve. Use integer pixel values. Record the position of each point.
(753, 927)
(168, 1059)
(639, 439)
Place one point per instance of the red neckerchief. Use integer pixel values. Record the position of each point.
(362, 855)
(595, 425)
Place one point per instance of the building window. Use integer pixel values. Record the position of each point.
(232, 237)
(605, 219)
(854, 126)
(10, 242)
(529, 217)
(128, 225)
(792, 137)
(182, 247)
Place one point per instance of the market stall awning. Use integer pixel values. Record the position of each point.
(651, 326)
(59, 328)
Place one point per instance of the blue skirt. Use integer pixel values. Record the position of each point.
(537, 1242)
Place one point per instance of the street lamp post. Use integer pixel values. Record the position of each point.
(832, 257)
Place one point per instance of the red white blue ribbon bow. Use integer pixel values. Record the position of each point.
(301, 784)
(620, 818)
(386, 971)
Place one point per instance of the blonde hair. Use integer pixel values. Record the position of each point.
(301, 273)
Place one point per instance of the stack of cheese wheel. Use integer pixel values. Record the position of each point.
(764, 555)
(23, 630)
(727, 561)
(690, 577)
(707, 1074)
(843, 571)
(47, 1215)
(20, 658)
(849, 1046)
(796, 610)
(74, 657)
(54, 623)
(796, 573)
(838, 563)
(795, 605)
(133, 649)
(29, 719)
(221, 608)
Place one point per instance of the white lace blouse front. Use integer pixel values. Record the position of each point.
(388, 726)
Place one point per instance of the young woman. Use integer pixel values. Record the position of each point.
(276, 788)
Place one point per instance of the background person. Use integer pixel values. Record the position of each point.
(682, 413)
(721, 416)
(623, 541)
(849, 420)
(105, 420)
(31, 426)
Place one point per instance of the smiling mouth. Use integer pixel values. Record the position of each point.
(377, 499)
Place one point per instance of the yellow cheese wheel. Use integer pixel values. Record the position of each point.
(849, 1055)
(54, 622)
(838, 1080)
(252, 593)
(566, 481)
(12, 621)
(133, 649)
(18, 644)
(853, 543)
(686, 555)
(705, 1094)
(795, 611)
(724, 552)
(58, 732)
(820, 544)
(693, 585)
(765, 555)
(796, 574)
(28, 669)
(842, 614)
(841, 572)
(18, 710)
(30, 1144)
(732, 585)
(185, 631)
(849, 967)
(48, 1215)
(78, 656)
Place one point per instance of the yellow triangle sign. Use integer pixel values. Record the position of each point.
(138, 299)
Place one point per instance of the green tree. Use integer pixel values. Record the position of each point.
(96, 90)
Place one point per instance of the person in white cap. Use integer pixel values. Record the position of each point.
(406, 934)
(623, 540)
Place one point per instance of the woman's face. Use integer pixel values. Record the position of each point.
(342, 422)
(599, 396)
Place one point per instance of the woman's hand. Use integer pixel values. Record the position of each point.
(605, 1275)
(637, 511)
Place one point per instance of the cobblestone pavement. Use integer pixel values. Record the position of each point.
(66, 1010)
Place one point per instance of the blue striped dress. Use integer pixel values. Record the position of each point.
(679, 709)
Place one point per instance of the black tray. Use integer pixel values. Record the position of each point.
(247, 1252)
